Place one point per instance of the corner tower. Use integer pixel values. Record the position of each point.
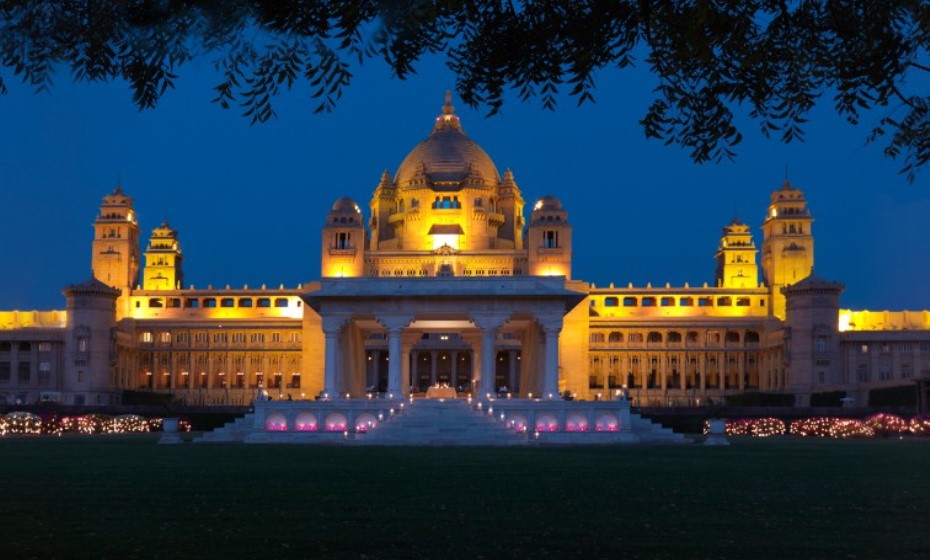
(115, 249)
(787, 245)
(163, 260)
(343, 254)
(736, 258)
(549, 239)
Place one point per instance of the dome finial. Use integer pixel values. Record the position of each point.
(448, 118)
(448, 108)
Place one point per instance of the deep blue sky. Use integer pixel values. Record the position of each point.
(249, 201)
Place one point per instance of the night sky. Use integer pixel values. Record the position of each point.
(249, 201)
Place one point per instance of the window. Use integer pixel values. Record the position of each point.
(25, 346)
(145, 337)
(629, 302)
(925, 347)
(280, 302)
(164, 337)
(264, 302)
(191, 303)
(344, 239)
(713, 337)
(886, 348)
(219, 337)
(45, 347)
(864, 349)
(649, 302)
(155, 302)
(200, 337)
(686, 302)
(724, 301)
(183, 337)
(820, 345)
(45, 372)
(257, 337)
(550, 239)
(654, 337)
(227, 302)
(25, 372)
(615, 337)
(82, 344)
(174, 302)
(905, 348)
(209, 302)
(245, 302)
(293, 336)
(635, 337)
(705, 302)
(275, 337)
(4, 372)
(668, 302)
(674, 336)
(238, 337)
(742, 302)
(692, 337)
(611, 302)
(597, 337)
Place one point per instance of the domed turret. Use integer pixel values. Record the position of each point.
(345, 205)
(343, 240)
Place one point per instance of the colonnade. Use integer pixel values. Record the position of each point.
(481, 335)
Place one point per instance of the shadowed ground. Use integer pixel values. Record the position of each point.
(125, 497)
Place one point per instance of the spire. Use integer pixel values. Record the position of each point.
(448, 118)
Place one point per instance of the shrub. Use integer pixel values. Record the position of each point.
(885, 424)
(823, 426)
(920, 425)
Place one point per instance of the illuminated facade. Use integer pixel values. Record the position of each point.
(446, 282)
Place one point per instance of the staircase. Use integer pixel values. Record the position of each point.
(434, 422)
(234, 431)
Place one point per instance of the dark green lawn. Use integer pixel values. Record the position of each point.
(125, 497)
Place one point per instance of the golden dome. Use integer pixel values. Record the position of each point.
(447, 155)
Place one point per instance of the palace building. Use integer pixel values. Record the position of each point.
(447, 279)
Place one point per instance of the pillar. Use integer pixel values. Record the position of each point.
(395, 324)
(489, 324)
(551, 372)
(454, 375)
(433, 368)
(332, 327)
(512, 373)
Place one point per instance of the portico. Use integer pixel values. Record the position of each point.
(413, 324)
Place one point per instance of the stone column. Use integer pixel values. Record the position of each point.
(454, 375)
(395, 324)
(512, 374)
(332, 328)
(405, 370)
(433, 368)
(741, 370)
(551, 328)
(489, 324)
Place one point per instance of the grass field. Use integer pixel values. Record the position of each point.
(121, 497)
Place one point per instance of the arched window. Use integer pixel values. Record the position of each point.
(713, 337)
(752, 337)
(667, 302)
(692, 337)
(649, 302)
(597, 337)
(742, 302)
(686, 302)
(629, 301)
(655, 337)
(724, 301)
(615, 337)
(674, 336)
(635, 337)
(245, 302)
(705, 302)
(732, 337)
(611, 302)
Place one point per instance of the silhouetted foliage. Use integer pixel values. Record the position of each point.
(775, 58)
